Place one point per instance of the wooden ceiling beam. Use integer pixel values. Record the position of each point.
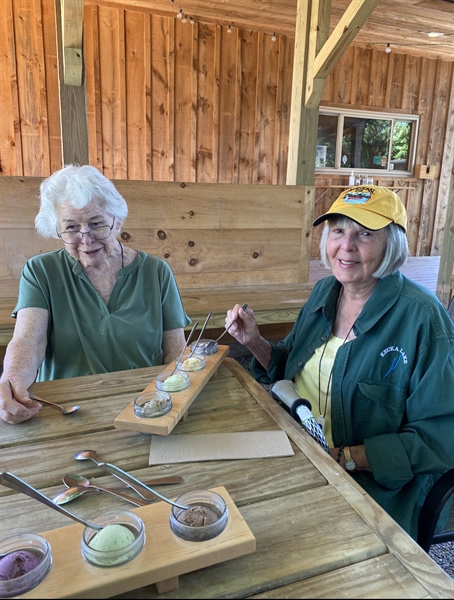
(72, 16)
(344, 33)
(316, 54)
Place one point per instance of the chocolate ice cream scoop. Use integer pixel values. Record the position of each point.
(198, 516)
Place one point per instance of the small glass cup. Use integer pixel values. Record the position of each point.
(188, 524)
(152, 404)
(113, 556)
(205, 347)
(175, 383)
(31, 544)
(195, 363)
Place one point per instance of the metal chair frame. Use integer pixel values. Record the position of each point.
(436, 499)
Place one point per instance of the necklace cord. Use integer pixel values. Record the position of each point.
(122, 254)
(323, 354)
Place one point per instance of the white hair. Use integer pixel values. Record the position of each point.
(78, 186)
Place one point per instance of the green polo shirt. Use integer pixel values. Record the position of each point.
(85, 335)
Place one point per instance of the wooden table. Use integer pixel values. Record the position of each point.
(318, 534)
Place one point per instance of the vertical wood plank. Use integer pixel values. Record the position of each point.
(185, 102)
(343, 78)
(398, 67)
(439, 116)
(411, 84)
(284, 93)
(138, 138)
(111, 62)
(31, 80)
(361, 77)
(249, 52)
(207, 100)
(267, 108)
(229, 103)
(377, 83)
(443, 240)
(162, 92)
(92, 86)
(52, 94)
(258, 112)
(10, 141)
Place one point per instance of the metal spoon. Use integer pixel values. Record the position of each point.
(76, 488)
(77, 485)
(15, 483)
(136, 484)
(210, 314)
(212, 342)
(66, 410)
(184, 348)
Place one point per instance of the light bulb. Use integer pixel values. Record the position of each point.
(388, 49)
(229, 29)
(273, 37)
(180, 14)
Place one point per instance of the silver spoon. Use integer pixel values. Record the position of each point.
(136, 484)
(210, 314)
(77, 485)
(66, 410)
(15, 483)
(213, 342)
(184, 348)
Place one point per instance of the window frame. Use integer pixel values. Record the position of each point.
(341, 113)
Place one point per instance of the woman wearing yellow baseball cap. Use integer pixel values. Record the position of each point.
(373, 353)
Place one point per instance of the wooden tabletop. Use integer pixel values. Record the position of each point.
(318, 534)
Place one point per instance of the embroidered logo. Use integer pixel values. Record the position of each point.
(398, 356)
(358, 196)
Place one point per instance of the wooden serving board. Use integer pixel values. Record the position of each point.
(163, 558)
(181, 401)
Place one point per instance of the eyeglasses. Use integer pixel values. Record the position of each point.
(97, 232)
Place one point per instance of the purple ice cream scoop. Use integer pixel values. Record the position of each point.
(16, 564)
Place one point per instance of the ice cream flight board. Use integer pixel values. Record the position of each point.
(181, 400)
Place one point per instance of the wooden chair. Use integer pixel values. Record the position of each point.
(441, 493)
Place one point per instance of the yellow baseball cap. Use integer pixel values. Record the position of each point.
(372, 206)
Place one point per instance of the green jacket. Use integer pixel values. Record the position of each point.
(85, 335)
(392, 387)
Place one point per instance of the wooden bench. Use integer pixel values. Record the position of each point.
(226, 244)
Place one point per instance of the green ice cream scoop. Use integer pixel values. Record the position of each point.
(112, 537)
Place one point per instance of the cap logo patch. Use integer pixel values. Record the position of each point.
(357, 196)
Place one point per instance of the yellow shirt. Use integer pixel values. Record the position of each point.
(315, 376)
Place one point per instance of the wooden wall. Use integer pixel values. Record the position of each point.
(168, 101)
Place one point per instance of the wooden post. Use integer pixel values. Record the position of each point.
(74, 131)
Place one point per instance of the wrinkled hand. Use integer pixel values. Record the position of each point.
(15, 405)
(244, 327)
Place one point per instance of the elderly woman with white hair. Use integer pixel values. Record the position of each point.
(93, 306)
(373, 354)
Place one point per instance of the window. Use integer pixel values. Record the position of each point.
(352, 140)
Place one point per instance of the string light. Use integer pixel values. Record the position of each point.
(273, 37)
(229, 29)
(181, 15)
(388, 49)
